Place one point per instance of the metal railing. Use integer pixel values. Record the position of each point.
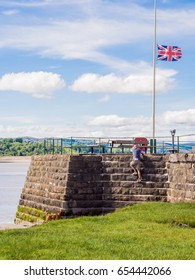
(99, 145)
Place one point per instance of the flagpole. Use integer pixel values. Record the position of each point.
(154, 80)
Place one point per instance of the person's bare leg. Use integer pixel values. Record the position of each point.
(139, 175)
(135, 170)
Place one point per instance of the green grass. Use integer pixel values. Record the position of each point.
(157, 231)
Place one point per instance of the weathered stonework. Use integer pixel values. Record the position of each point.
(181, 173)
(73, 185)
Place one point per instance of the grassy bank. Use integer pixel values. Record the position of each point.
(157, 231)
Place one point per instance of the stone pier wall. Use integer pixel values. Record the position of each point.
(181, 173)
(73, 185)
(61, 186)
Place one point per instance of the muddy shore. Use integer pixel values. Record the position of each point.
(15, 226)
(15, 159)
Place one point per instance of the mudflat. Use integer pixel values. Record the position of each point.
(15, 159)
(15, 226)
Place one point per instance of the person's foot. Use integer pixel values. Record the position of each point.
(140, 179)
(135, 173)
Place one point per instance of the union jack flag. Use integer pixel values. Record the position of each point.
(169, 53)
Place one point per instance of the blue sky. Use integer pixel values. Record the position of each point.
(84, 68)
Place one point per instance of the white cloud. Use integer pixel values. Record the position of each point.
(182, 20)
(104, 99)
(183, 117)
(28, 3)
(115, 120)
(131, 84)
(81, 39)
(114, 25)
(43, 131)
(92, 32)
(38, 84)
(108, 126)
(113, 125)
(10, 12)
(108, 120)
(18, 119)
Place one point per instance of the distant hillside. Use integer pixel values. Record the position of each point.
(26, 139)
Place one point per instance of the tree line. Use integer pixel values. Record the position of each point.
(17, 147)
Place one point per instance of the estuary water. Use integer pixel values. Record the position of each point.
(12, 178)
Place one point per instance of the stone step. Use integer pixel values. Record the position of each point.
(116, 177)
(153, 158)
(134, 191)
(88, 211)
(119, 204)
(154, 164)
(135, 184)
(126, 164)
(128, 170)
(155, 177)
(106, 186)
(146, 177)
(159, 170)
(123, 158)
(117, 191)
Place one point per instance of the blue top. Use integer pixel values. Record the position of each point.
(136, 153)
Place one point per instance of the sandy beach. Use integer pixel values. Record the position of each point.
(15, 159)
(15, 226)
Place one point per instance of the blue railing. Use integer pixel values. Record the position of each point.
(94, 145)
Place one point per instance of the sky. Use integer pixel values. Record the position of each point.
(84, 68)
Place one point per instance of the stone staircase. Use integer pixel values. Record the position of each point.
(121, 188)
(75, 185)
